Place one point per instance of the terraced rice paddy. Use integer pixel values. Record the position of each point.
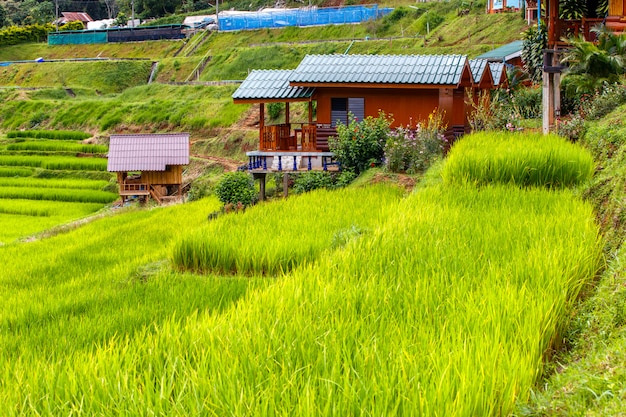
(40, 191)
(443, 302)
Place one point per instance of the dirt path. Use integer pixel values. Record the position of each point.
(228, 164)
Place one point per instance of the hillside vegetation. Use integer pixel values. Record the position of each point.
(428, 28)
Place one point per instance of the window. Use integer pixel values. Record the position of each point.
(340, 107)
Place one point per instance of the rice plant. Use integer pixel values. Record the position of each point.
(47, 162)
(49, 134)
(56, 146)
(274, 238)
(15, 172)
(84, 184)
(58, 194)
(445, 308)
(21, 218)
(47, 208)
(525, 160)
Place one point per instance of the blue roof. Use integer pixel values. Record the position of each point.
(271, 85)
(504, 53)
(380, 69)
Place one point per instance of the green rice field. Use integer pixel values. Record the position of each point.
(39, 192)
(442, 302)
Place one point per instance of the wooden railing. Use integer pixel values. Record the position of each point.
(130, 188)
(308, 138)
(277, 137)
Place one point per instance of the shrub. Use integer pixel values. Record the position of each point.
(413, 150)
(360, 145)
(273, 110)
(236, 187)
(312, 180)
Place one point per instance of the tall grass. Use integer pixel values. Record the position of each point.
(48, 134)
(275, 238)
(21, 218)
(70, 163)
(55, 146)
(15, 172)
(445, 309)
(58, 194)
(84, 184)
(521, 159)
(45, 208)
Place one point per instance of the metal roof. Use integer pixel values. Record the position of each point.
(147, 152)
(271, 85)
(505, 52)
(380, 69)
(497, 72)
(76, 16)
(478, 66)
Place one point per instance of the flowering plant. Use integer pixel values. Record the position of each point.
(413, 149)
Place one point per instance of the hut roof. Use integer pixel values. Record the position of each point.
(147, 152)
(271, 85)
(498, 73)
(76, 16)
(505, 52)
(380, 69)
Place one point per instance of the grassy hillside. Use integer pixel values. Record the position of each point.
(95, 102)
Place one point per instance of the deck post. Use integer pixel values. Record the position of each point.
(261, 177)
(261, 121)
(285, 184)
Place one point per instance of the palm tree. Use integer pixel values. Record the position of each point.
(591, 65)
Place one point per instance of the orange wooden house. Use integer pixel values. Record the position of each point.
(409, 87)
(149, 165)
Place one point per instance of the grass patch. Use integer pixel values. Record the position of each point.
(47, 162)
(289, 240)
(58, 194)
(57, 146)
(521, 159)
(104, 76)
(84, 184)
(48, 134)
(15, 172)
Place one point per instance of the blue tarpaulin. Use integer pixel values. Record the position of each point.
(310, 16)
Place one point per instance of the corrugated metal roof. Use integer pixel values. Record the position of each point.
(76, 16)
(147, 152)
(497, 71)
(478, 66)
(505, 52)
(271, 85)
(380, 69)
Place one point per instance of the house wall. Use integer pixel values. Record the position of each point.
(408, 106)
(173, 175)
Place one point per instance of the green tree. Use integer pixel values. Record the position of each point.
(3, 16)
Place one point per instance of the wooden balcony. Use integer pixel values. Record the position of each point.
(128, 189)
(291, 138)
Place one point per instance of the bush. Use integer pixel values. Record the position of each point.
(312, 180)
(236, 187)
(360, 145)
(414, 150)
